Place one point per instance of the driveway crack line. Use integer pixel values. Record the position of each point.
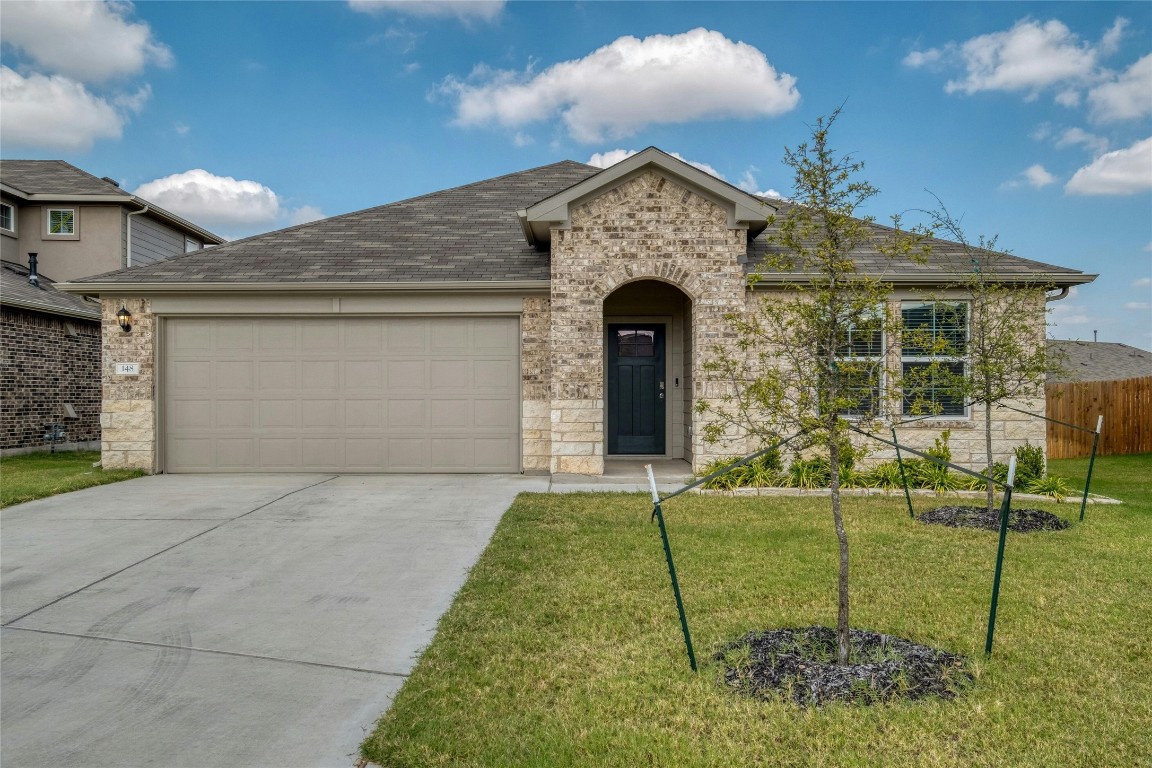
(166, 549)
(216, 651)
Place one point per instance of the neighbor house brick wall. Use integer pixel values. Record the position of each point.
(648, 227)
(44, 366)
(535, 369)
(129, 415)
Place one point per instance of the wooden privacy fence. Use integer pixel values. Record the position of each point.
(1127, 408)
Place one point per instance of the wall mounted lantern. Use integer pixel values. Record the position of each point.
(125, 318)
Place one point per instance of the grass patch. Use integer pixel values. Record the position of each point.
(563, 649)
(38, 475)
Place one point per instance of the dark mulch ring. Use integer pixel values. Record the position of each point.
(799, 665)
(1019, 520)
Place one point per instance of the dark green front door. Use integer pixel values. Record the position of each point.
(635, 358)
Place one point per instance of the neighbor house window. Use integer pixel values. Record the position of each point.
(191, 245)
(933, 356)
(62, 221)
(7, 217)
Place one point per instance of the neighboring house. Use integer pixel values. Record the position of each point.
(78, 225)
(1097, 361)
(49, 364)
(543, 321)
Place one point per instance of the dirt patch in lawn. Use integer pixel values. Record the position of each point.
(1019, 520)
(799, 665)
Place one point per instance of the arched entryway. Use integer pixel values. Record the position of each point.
(647, 371)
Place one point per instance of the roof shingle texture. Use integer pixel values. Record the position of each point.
(15, 290)
(1099, 361)
(53, 177)
(470, 233)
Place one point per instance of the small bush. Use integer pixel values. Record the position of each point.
(1029, 463)
(1052, 485)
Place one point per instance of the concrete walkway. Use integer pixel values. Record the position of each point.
(210, 620)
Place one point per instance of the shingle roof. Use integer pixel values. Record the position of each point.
(54, 177)
(466, 234)
(944, 256)
(16, 291)
(1099, 361)
(469, 233)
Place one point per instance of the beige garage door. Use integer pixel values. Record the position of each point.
(437, 394)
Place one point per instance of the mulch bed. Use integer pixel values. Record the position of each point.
(799, 665)
(1019, 520)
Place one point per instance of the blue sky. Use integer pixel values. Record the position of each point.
(1031, 121)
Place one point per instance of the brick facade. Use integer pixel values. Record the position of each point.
(48, 361)
(128, 418)
(648, 227)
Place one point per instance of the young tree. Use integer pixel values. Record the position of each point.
(1004, 355)
(811, 353)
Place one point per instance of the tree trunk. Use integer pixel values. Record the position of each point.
(843, 650)
(991, 487)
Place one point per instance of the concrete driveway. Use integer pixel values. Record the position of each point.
(210, 620)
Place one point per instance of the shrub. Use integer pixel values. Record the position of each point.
(1029, 463)
(1052, 485)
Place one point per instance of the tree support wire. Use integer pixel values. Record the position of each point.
(903, 476)
(1005, 504)
(658, 515)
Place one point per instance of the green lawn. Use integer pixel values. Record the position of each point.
(563, 649)
(37, 475)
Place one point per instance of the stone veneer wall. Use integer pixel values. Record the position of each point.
(1010, 429)
(42, 368)
(648, 227)
(535, 369)
(128, 418)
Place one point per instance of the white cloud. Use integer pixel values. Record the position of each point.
(1035, 176)
(305, 214)
(1143, 282)
(923, 58)
(1077, 136)
(1029, 56)
(90, 42)
(1137, 305)
(748, 183)
(54, 113)
(631, 83)
(484, 10)
(1111, 40)
(606, 159)
(1121, 172)
(1126, 97)
(213, 201)
(182, 129)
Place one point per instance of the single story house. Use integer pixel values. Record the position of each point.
(543, 321)
(57, 223)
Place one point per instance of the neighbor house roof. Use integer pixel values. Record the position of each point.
(1098, 361)
(57, 181)
(16, 291)
(481, 234)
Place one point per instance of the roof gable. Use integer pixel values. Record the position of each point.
(745, 211)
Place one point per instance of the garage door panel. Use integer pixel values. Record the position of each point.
(365, 394)
(320, 414)
(232, 375)
(278, 414)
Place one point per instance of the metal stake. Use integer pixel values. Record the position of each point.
(903, 477)
(659, 515)
(1004, 505)
(1091, 462)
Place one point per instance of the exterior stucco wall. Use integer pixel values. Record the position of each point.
(128, 416)
(648, 227)
(99, 246)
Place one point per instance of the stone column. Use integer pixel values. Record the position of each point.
(128, 413)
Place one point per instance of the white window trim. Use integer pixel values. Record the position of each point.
(962, 359)
(73, 235)
(11, 216)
